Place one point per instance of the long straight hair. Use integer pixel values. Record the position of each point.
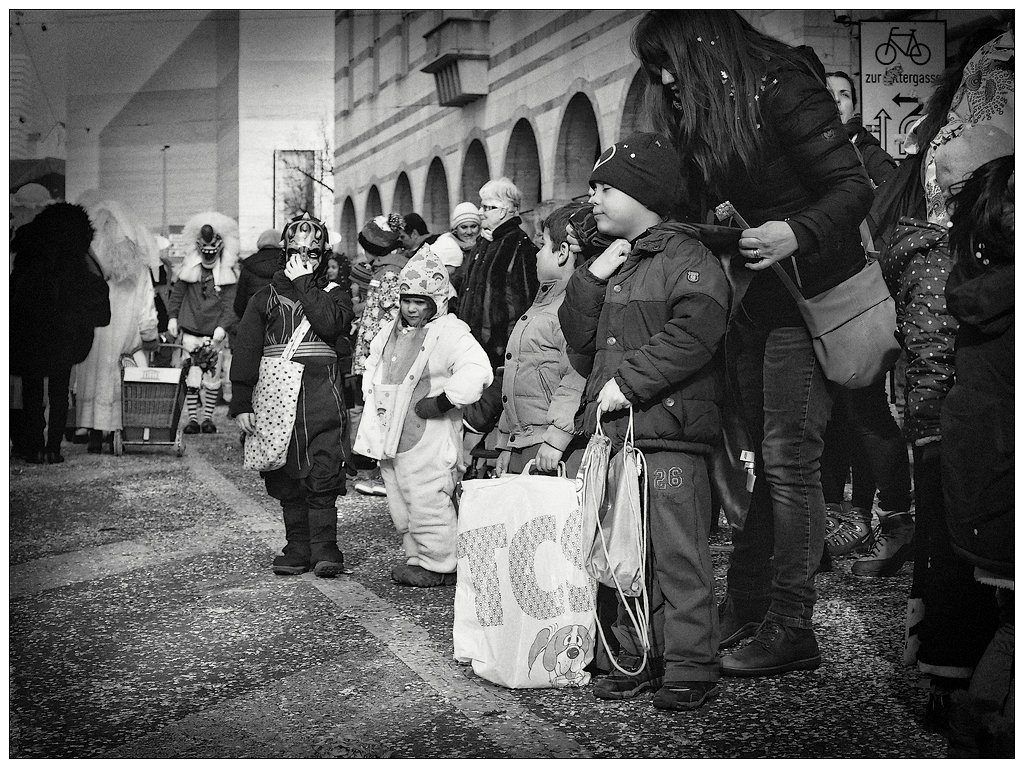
(717, 59)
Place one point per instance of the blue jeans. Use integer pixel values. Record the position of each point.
(786, 403)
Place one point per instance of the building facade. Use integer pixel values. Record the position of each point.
(351, 113)
(431, 104)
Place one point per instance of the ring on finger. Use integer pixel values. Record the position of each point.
(757, 252)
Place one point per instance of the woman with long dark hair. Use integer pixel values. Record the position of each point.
(756, 126)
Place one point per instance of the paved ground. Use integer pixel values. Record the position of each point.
(145, 623)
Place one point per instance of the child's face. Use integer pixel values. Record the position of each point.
(553, 263)
(332, 270)
(416, 310)
(616, 213)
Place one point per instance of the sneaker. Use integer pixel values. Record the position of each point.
(209, 427)
(192, 428)
(776, 649)
(372, 487)
(891, 548)
(685, 696)
(618, 685)
(736, 623)
(845, 530)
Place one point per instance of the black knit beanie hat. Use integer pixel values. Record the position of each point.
(645, 167)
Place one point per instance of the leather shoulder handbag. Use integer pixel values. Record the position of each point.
(853, 325)
(274, 401)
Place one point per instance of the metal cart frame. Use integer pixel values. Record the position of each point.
(152, 400)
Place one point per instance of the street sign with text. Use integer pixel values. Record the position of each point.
(900, 64)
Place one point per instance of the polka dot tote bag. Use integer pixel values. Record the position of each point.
(274, 402)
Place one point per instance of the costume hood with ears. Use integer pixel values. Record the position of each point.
(122, 244)
(225, 271)
(425, 275)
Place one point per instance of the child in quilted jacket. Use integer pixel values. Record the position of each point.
(651, 311)
(541, 389)
(422, 368)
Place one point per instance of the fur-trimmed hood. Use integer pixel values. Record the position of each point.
(121, 245)
(226, 272)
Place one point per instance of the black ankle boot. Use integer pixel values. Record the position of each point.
(775, 649)
(95, 441)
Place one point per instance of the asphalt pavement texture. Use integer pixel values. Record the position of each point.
(145, 623)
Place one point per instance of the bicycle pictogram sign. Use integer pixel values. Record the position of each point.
(905, 43)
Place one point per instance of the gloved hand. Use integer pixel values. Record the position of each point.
(151, 345)
(432, 407)
(218, 335)
(172, 327)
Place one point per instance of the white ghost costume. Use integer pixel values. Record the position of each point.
(421, 459)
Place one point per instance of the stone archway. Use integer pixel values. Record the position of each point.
(579, 146)
(402, 201)
(436, 210)
(373, 206)
(522, 163)
(349, 228)
(632, 111)
(475, 172)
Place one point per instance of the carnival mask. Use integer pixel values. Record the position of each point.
(210, 246)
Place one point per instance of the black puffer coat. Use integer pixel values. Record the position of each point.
(812, 178)
(656, 326)
(496, 284)
(977, 418)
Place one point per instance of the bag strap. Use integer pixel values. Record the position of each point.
(296, 339)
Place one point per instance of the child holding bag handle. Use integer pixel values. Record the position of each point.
(651, 311)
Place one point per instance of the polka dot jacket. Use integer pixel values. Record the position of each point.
(916, 266)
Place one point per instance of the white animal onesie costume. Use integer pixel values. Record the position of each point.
(421, 459)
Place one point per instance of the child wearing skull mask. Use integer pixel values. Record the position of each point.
(313, 477)
(201, 309)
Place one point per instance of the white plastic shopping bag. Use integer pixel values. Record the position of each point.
(524, 603)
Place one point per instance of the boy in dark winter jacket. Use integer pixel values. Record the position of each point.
(652, 311)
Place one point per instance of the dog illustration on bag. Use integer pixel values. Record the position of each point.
(563, 653)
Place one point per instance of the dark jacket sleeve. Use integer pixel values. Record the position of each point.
(929, 332)
(806, 125)
(246, 352)
(174, 302)
(95, 301)
(242, 294)
(699, 315)
(329, 312)
(228, 319)
(580, 313)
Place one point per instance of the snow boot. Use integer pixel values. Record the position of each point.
(295, 555)
(326, 558)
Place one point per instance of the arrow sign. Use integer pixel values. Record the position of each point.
(883, 118)
(899, 99)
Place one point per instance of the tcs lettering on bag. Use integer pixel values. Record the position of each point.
(503, 563)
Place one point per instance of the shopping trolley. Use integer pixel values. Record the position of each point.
(151, 403)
